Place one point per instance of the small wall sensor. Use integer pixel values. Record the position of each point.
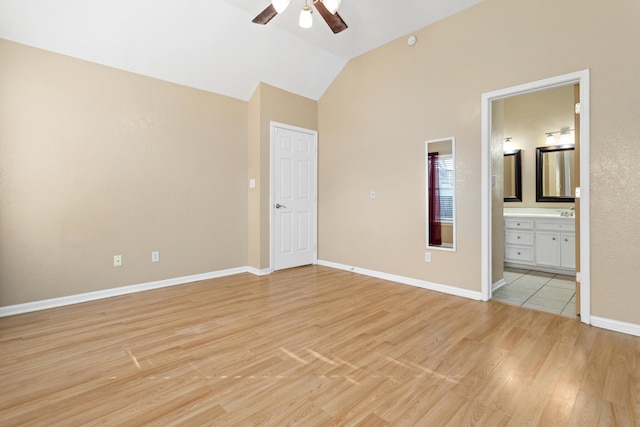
(412, 40)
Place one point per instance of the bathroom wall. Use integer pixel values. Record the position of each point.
(527, 119)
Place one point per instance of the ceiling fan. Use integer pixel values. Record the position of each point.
(328, 9)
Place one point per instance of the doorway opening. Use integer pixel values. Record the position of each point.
(491, 232)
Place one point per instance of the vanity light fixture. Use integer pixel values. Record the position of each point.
(565, 137)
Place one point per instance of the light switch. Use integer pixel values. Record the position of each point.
(373, 194)
(252, 183)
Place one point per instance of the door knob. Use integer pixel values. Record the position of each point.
(278, 206)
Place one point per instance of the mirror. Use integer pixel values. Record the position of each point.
(555, 181)
(512, 176)
(440, 195)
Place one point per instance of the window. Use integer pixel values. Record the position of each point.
(445, 178)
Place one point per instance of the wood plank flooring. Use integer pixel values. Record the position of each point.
(311, 346)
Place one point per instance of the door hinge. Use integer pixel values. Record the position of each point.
(577, 192)
(577, 108)
(578, 276)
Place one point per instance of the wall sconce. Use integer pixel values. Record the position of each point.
(566, 138)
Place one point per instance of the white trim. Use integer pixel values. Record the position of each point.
(11, 310)
(272, 126)
(616, 325)
(258, 272)
(497, 285)
(452, 290)
(581, 77)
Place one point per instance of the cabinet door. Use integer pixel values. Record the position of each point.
(568, 250)
(548, 248)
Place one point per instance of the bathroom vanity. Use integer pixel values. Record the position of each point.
(540, 239)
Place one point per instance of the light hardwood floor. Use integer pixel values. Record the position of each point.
(311, 346)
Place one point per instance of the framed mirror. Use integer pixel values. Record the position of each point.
(512, 176)
(441, 194)
(555, 173)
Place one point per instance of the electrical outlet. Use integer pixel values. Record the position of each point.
(427, 257)
(155, 256)
(117, 260)
(372, 195)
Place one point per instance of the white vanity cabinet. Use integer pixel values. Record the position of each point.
(556, 243)
(540, 243)
(518, 240)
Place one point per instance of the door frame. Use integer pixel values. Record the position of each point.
(272, 132)
(581, 78)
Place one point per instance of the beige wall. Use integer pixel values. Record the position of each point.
(255, 194)
(526, 119)
(377, 114)
(96, 162)
(268, 104)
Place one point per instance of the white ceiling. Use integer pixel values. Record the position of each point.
(212, 44)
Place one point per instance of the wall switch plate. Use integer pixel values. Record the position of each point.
(155, 256)
(372, 194)
(117, 260)
(252, 183)
(427, 257)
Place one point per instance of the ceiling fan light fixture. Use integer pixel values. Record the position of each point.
(332, 5)
(280, 5)
(305, 21)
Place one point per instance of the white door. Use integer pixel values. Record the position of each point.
(294, 196)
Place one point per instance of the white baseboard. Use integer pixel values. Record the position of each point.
(108, 293)
(258, 272)
(452, 290)
(500, 283)
(615, 325)
(600, 322)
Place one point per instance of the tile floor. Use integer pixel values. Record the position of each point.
(554, 293)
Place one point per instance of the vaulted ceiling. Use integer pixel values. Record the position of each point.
(212, 44)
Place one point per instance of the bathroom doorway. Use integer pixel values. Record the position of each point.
(539, 129)
(493, 231)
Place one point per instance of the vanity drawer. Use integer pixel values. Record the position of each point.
(556, 225)
(519, 224)
(518, 237)
(518, 253)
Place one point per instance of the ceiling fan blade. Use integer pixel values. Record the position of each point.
(266, 15)
(334, 21)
